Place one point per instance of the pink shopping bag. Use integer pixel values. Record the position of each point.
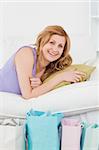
(71, 133)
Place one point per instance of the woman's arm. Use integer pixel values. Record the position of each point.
(70, 76)
(46, 87)
(24, 63)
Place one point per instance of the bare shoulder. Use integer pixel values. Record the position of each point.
(24, 60)
(25, 54)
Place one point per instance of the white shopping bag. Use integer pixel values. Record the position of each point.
(12, 136)
(71, 133)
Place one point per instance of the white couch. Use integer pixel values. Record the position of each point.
(68, 98)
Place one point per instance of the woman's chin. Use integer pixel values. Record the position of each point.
(51, 59)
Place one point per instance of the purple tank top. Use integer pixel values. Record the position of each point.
(8, 75)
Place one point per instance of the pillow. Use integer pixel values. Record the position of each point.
(79, 67)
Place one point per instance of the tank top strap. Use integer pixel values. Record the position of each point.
(35, 62)
(35, 59)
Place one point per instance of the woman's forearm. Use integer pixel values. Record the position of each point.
(45, 87)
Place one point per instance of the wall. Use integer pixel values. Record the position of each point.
(95, 22)
(22, 21)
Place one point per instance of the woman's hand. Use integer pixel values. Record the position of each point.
(73, 76)
(35, 82)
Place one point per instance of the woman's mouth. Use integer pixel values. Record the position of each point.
(53, 53)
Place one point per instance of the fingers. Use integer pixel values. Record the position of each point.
(34, 82)
(34, 85)
(79, 76)
(34, 79)
(80, 73)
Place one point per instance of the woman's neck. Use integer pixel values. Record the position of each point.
(41, 63)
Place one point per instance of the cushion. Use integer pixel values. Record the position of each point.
(78, 67)
(95, 73)
(69, 98)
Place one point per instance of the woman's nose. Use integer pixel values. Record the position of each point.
(55, 52)
(55, 49)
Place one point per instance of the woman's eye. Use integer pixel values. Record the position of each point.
(51, 42)
(60, 46)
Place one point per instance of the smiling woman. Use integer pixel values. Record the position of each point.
(51, 51)
(54, 48)
(30, 65)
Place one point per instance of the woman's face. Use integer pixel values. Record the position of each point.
(53, 49)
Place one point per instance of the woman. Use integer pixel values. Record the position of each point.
(29, 66)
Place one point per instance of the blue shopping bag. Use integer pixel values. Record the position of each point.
(84, 126)
(42, 130)
(90, 136)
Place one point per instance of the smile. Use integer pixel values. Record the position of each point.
(52, 53)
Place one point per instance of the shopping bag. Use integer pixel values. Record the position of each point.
(90, 137)
(84, 126)
(12, 134)
(42, 130)
(71, 133)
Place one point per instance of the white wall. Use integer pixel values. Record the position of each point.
(24, 18)
(95, 22)
(22, 21)
(1, 33)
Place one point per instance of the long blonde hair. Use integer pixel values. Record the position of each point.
(65, 60)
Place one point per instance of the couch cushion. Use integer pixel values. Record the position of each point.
(76, 96)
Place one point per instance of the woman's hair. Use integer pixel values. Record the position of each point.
(65, 60)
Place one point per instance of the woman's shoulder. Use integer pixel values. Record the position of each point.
(24, 53)
(26, 50)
